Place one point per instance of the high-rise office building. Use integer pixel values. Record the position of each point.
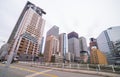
(27, 33)
(83, 49)
(72, 34)
(108, 43)
(52, 43)
(51, 48)
(83, 44)
(53, 31)
(97, 57)
(63, 45)
(41, 45)
(73, 46)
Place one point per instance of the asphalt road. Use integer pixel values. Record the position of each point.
(27, 71)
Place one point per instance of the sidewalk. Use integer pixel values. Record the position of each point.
(106, 74)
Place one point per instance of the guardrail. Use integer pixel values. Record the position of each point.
(92, 67)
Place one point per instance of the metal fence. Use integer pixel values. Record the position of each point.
(91, 67)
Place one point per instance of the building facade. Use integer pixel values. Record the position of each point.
(97, 57)
(83, 44)
(52, 44)
(27, 33)
(107, 44)
(63, 45)
(51, 48)
(83, 49)
(73, 46)
(72, 34)
(53, 31)
(41, 45)
(93, 42)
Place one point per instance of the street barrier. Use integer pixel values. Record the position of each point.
(92, 67)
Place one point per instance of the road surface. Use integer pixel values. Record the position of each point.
(16, 70)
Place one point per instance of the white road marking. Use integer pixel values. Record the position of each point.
(33, 75)
(37, 73)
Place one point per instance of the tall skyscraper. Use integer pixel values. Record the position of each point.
(63, 45)
(73, 46)
(41, 45)
(83, 49)
(108, 43)
(53, 31)
(83, 44)
(27, 33)
(72, 35)
(52, 43)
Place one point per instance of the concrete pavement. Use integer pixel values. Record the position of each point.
(23, 71)
(79, 71)
(18, 70)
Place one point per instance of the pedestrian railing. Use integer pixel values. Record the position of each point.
(91, 67)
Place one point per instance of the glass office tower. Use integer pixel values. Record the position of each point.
(109, 43)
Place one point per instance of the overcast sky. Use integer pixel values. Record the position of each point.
(86, 17)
